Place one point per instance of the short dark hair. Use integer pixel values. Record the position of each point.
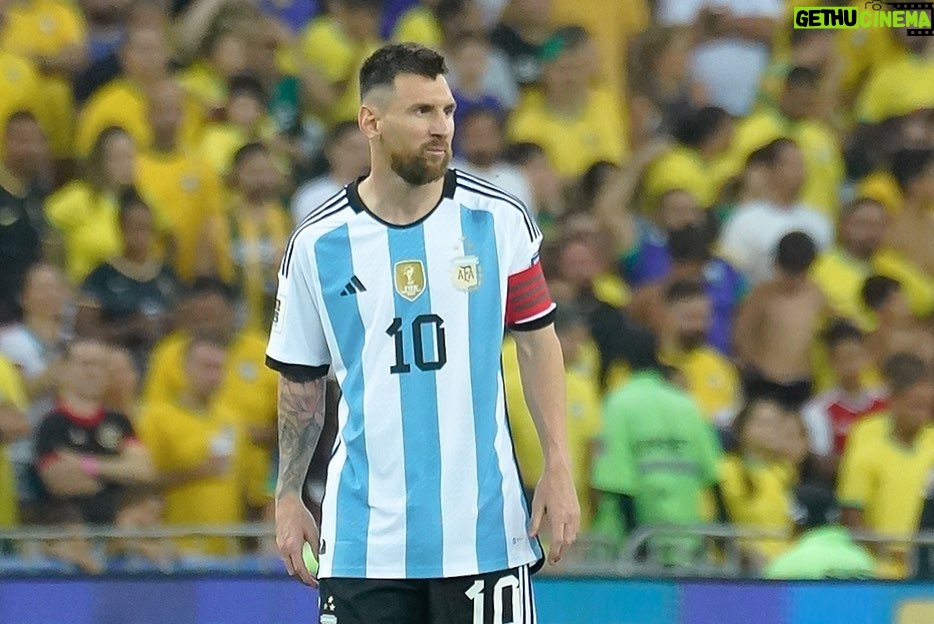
(910, 164)
(519, 154)
(796, 252)
(207, 285)
(21, 116)
(255, 147)
(849, 208)
(381, 68)
(130, 199)
(683, 289)
(800, 76)
(642, 349)
(769, 153)
(903, 370)
(877, 289)
(840, 331)
(699, 125)
(246, 84)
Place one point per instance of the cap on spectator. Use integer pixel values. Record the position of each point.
(566, 38)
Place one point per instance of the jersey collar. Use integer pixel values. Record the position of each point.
(357, 205)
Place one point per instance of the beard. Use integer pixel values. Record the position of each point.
(689, 341)
(415, 167)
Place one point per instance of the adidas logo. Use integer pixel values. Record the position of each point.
(353, 287)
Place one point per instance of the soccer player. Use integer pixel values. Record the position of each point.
(402, 283)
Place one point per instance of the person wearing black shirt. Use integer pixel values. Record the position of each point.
(86, 455)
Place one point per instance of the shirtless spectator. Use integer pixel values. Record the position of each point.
(830, 415)
(777, 325)
(912, 229)
(898, 330)
(86, 454)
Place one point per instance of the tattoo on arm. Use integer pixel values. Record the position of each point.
(301, 418)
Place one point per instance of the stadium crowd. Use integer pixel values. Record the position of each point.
(739, 231)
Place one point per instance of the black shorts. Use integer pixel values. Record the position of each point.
(490, 598)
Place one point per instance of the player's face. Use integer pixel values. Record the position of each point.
(417, 127)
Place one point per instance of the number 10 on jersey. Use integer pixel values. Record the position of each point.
(424, 361)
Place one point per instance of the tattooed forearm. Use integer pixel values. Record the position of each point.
(301, 418)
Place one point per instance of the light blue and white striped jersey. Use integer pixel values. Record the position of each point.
(422, 482)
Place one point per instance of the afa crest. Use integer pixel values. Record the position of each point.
(410, 278)
(466, 273)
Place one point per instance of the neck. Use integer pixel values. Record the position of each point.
(194, 401)
(396, 201)
(565, 102)
(851, 387)
(82, 406)
(857, 254)
(138, 258)
(904, 434)
(164, 144)
(44, 326)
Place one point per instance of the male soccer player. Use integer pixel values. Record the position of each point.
(402, 283)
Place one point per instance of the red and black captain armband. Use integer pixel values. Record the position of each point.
(528, 302)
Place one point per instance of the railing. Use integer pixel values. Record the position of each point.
(713, 550)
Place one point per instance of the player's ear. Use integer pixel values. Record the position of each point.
(369, 121)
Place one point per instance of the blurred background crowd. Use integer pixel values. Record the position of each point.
(739, 230)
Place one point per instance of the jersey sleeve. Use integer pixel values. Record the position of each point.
(528, 302)
(297, 344)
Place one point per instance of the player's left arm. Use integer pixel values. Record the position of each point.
(542, 370)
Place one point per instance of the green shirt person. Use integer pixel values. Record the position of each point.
(657, 457)
(825, 549)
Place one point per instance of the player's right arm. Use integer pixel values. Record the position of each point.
(298, 351)
(301, 419)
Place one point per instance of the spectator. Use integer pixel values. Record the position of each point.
(248, 388)
(896, 328)
(419, 24)
(20, 87)
(13, 425)
(912, 228)
(691, 259)
(831, 415)
(888, 460)
(85, 210)
(52, 35)
(128, 300)
(657, 457)
(750, 236)
(122, 394)
(695, 164)
(104, 20)
(823, 549)
(87, 455)
(223, 55)
(181, 187)
(548, 202)
(479, 78)
(347, 154)
(732, 51)
(841, 270)
(144, 58)
(141, 509)
(795, 116)
(25, 236)
(808, 467)
(34, 346)
(576, 123)
(246, 121)
(480, 142)
(882, 98)
(253, 234)
(777, 325)
(755, 481)
(711, 379)
(334, 47)
(520, 34)
(197, 449)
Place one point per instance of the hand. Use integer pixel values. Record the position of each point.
(72, 476)
(555, 496)
(294, 527)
